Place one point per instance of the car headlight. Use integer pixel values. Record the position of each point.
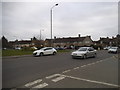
(34, 52)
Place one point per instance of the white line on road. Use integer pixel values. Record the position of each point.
(51, 76)
(76, 68)
(84, 66)
(32, 83)
(58, 78)
(41, 85)
(92, 81)
(66, 71)
(95, 62)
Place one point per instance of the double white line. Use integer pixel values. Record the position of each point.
(31, 84)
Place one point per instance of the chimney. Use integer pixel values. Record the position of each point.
(31, 39)
(54, 37)
(78, 35)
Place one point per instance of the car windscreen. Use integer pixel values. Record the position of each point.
(42, 48)
(113, 47)
(82, 49)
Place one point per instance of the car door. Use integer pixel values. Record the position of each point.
(91, 52)
(88, 52)
(48, 51)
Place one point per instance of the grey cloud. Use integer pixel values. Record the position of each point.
(26, 19)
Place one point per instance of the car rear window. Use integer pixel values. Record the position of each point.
(82, 49)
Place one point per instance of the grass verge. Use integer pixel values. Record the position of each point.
(23, 52)
(15, 52)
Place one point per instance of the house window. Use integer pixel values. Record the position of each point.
(75, 42)
(87, 41)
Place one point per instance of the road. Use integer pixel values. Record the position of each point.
(61, 71)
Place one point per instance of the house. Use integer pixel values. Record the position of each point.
(34, 42)
(70, 41)
(104, 42)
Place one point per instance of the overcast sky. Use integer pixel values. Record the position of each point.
(23, 20)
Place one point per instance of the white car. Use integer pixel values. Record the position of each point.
(113, 50)
(84, 52)
(45, 51)
(106, 48)
(17, 48)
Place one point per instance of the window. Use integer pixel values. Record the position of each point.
(87, 41)
(82, 49)
(48, 48)
(91, 49)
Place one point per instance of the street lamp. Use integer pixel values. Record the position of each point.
(51, 20)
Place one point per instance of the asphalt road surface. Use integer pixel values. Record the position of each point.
(61, 71)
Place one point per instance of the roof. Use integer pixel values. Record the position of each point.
(70, 39)
(21, 42)
(24, 42)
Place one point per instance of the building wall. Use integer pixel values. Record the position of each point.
(87, 41)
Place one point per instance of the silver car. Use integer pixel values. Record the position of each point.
(84, 52)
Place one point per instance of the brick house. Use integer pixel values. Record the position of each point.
(27, 43)
(70, 41)
(103, 42)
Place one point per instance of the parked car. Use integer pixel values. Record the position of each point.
(59, 48)
(84, 52)
(106, 48)
(18, 48)
(34, 48)
(113, 50)
(45, 51)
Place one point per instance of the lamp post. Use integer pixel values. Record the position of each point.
(51, 20)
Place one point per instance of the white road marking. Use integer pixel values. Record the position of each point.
(84, 66)
(66, 71)
(76, 68)
(115, 57)
(89, 64)
(92, 81)
(58, 78)
(41, 85)
(32, 83)
(51, 76)
(94, 62)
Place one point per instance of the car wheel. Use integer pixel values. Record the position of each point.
(41, 54)
(73, 57)
(54, 53)
(95, 55)
(84, 56)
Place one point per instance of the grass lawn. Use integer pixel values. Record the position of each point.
(23, 52)
(15, 52)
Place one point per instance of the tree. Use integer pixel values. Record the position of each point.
(5, 43)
